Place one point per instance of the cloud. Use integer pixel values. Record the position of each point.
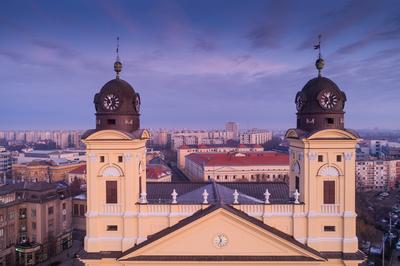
(390, 30)
(60, 49)
(332, 23)
(265, 36)
(203, 45)
(273, 26)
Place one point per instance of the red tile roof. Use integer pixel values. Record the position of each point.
(81, 170)
(156, 171)
(204, 146)
(240, 158)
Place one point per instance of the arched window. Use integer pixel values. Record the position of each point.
(297, 183)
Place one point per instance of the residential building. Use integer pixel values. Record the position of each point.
(158, 173)
(78, 173)
(79, 208)
(36, 222)
(198, 137)
(234, 128)
(5, 164)
(44, 170)
(255, 136)
(377, 175)
(238, 166)
(185, 150)
(310, 220)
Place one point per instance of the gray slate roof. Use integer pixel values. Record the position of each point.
(191, 192)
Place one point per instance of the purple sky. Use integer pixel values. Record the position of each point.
(196, 64)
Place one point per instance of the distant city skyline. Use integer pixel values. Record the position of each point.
(196, 64)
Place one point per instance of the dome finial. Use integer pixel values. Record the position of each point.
(319, 64)
(117, 64)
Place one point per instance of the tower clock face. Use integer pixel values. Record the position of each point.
(328, 100)
(300, 101)
(111, 102)
(220, 240)
(137, 103)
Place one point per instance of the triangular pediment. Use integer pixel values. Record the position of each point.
(333, 134)
(221, 232)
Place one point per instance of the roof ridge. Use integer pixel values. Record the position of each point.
(218, 198)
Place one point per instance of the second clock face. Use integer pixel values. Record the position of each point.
(300, 101)
(328, 99)
(111, 102)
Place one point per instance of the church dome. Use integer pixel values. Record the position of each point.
(117, 105)
(116, 96)
(320, 95)
(320, 104)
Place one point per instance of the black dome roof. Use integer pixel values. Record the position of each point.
(123, 90)
(312, 92)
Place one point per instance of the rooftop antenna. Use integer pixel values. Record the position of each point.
(319, 64)
(117, 64)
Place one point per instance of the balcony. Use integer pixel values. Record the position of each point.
(112, 208)
(330, 208)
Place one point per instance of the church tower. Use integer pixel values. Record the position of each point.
(116, 167)
(322, 165)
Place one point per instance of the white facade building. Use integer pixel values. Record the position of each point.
(255, 137)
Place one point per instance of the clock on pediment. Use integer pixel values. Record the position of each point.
(220, 240)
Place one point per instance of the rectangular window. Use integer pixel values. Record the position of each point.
(111, 121)
(329, 228)
(120, 159)
(330, 120)
(329, 192)
(82, 210)
(102, 159)
(64, 205)
(111, 192)
(33, 212)
(1, 232)
(33, 226)
(338, 158)
(76, 209)
(320, 158)
(50, 210)
(297, 183)
(112, 228)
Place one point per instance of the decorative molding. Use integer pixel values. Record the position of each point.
(329, 171)
(296, 168)
(348, 156)
(127, 157)
(111, 171)
(92, 157)
(312, 156)
(350, 240)
(349, 214)
(130, 214)
(323, 239)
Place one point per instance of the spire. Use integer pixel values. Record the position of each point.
(319, 64)
(117, 64)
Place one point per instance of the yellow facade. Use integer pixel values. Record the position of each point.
(303, 222)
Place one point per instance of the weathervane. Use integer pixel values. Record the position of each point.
(117, 64)
(319, 64)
